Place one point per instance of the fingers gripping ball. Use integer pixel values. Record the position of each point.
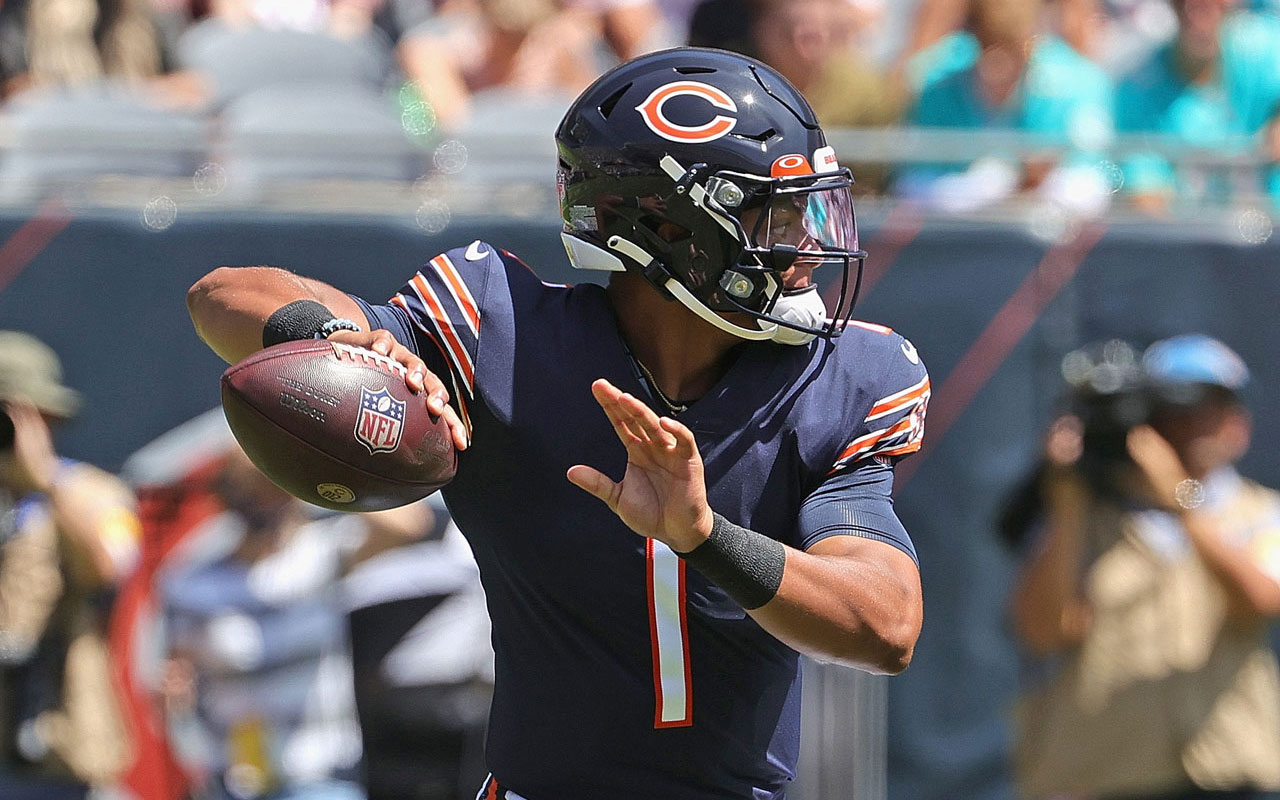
(335, 425)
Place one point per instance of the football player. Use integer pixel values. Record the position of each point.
(704, 400)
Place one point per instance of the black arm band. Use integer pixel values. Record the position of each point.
(746, 564)
(301, 319)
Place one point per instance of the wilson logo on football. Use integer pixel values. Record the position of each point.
(380, 422)
(652, 110)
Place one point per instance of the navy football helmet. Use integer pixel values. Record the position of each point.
(706, 172)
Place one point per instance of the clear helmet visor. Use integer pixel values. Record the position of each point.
(814, 213)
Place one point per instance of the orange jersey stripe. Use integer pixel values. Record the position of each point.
(869, 441)
(456, 394)
(900, 400)
(399, 300)
(459, 290)
(902, 450)
(451, 341)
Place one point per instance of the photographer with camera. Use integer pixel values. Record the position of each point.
(1143, 602)
(68, 535)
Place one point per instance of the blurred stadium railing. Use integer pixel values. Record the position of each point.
(383, 153)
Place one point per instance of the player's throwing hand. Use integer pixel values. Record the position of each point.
(663, 494)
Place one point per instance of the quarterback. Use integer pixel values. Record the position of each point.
(673, 484)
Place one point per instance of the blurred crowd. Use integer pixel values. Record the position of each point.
(1089, 104)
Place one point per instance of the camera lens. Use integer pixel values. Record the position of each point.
(6, 430)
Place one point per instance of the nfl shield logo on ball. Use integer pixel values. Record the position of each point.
(381, 420)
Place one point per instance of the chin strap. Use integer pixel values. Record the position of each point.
(765, 331)
(686, 298)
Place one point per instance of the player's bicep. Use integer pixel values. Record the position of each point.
(856, 502)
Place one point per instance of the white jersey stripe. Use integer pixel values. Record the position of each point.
(460, 292)
(898, 400)
(669, 636)
(448, 336)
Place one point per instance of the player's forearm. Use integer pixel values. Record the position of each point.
(230, 305)
(849, 599)
(854, 610)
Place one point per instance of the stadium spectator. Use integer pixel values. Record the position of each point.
(1271, 153)
(629, 27)
(258, 683)
(531, 48)
(1117, 34)
(241, 46)
(810, 42)
(1012, 76)
(1144, 600)
(1112, 33)
(345, 19)
(1214, 84)
(78, 42)
(68, 536)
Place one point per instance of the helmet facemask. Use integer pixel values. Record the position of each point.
(731, 242)
(788, 227)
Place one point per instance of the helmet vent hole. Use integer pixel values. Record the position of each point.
(694, 70)
(606, 108)
(763, 136)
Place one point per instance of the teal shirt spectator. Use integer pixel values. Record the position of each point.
(1064, 100)
(951, 53)
(1221, 114)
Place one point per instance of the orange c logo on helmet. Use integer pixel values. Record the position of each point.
(719, 125)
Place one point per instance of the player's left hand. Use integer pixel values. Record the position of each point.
(663, 494)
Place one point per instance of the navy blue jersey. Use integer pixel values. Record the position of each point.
(620, 672)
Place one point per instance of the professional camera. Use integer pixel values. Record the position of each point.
(1110, 396)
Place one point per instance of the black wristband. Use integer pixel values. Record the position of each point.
(301, 319)
(746, 564)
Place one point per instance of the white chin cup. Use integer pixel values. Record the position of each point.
(803, 307)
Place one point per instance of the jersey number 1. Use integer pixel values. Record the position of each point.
(668, 637)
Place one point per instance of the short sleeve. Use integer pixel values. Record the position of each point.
(443, 302)
(856, 502)
(894, 424)
(439, 312)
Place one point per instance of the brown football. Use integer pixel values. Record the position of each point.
(337, 426)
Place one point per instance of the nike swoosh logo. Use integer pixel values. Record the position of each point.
(909, 350)
(474, 251)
